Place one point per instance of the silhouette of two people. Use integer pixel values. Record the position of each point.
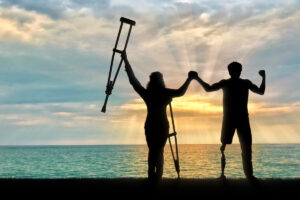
(235, 113)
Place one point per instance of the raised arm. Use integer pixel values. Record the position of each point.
(210, 88)
(259, 90)
(181, 91)
(132, 79)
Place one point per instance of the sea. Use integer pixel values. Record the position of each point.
(115, 161)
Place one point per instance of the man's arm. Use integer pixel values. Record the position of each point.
(259, 90)
(210, 88)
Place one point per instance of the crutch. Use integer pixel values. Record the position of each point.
(175, 159)
(110, 83)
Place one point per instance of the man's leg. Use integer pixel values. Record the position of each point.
(223, 160)
(244, 133)
(227, 133)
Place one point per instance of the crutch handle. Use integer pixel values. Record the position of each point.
(117, 50)
(172, 134)
(109, 88)
(108, 91)
(127, 21)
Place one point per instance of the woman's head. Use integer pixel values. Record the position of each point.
(156, 81)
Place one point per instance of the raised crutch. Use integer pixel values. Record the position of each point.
(175, 159)
(110, 83)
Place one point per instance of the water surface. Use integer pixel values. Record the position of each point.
(196, 161)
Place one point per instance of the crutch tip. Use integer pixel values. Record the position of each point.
(103, 109)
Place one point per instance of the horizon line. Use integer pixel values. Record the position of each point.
(16, 145)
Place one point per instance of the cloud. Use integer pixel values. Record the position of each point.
(52, 123)
(73, 32)
(64, 114)
(29, 122)
(52, 8)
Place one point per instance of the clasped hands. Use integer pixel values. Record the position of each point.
(193, 75)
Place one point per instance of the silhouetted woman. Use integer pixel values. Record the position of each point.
(156, 97)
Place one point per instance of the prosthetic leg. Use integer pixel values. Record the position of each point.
(175, 159)
(111, 83)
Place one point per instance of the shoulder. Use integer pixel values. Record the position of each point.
(223, 81)
(246, 81)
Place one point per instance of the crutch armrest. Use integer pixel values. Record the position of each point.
(127, 21)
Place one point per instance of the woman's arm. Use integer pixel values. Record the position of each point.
(181, 91)
(132, 79)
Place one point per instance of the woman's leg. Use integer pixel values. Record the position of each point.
(151, 164)
(160, 163)
(160, 157)
(151, 155)
(156, 151)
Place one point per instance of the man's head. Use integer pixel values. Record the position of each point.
(235, 69)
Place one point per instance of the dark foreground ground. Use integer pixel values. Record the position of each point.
(139, 188)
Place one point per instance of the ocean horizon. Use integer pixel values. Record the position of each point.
(115, 161)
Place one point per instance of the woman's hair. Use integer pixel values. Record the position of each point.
(156, 81)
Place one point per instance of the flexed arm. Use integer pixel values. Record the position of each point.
(132, 79)
(259, 90)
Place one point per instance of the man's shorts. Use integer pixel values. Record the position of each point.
(241, 124)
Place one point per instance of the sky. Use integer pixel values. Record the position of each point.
(55, 57)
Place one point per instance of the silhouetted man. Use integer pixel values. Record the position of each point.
(235, 112)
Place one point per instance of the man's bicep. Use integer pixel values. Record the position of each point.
(253, 87)
(217, 86)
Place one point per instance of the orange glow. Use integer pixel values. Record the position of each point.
(200, 105)
(199, 120)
